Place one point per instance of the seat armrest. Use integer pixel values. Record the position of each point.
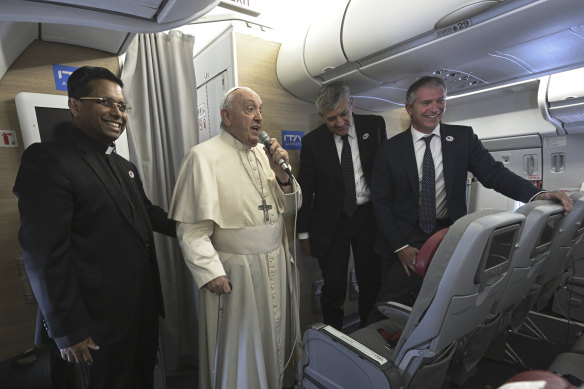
(575, 281)
(398, 313)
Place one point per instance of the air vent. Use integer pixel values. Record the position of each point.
(457, 81)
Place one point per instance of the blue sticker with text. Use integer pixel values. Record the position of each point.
(291, 140)
(62, 73)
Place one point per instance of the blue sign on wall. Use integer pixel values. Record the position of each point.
(291, 140)
(62, 73)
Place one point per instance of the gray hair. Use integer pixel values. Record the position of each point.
(330, 96)
(227, 100)
(429, 81)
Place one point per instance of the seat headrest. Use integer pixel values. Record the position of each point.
(427, 251)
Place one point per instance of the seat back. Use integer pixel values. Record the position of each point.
(528, 256)
(567, 238)
(542, 220)
(569, 293)
(464, 281)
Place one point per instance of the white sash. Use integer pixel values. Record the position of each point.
(248, 240)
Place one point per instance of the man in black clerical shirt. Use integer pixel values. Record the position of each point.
(87, 240)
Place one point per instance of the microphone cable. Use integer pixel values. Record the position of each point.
(292, 279)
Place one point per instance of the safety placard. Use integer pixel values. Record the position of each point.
(8, 138)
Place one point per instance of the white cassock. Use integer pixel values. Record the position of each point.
(222, 230)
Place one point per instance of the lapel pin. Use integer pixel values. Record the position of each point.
(365, 136)
(449, 138)
(131, 174)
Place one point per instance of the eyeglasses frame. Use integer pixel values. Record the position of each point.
(107, 102)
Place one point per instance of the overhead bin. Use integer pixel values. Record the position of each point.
(107, 25)
(562, 101)
(128, 16)
(380, 48)
(322, 46)
(391, 23)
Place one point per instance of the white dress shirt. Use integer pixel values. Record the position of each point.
(361, 187)
(436, 149)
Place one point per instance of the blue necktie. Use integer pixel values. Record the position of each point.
(350, 198)
(428, 195)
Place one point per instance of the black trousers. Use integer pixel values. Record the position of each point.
(396, 285)
(356, 232)
(129, 364)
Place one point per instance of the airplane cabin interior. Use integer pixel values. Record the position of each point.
(502, 298)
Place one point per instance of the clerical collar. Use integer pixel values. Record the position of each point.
(245, 147)
(95, 144)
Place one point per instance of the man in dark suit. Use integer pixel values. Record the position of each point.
(335, 169)
(405, 215)
(87, 241)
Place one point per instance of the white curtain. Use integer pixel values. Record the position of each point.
(159, 83)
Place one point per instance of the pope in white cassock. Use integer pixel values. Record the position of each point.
(229, 202)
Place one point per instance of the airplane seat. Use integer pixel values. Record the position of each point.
(578, 346)
(527, 260)
(462, 284)
(569, 297)
(571, 363)
(537, 379)
(568, 237)
(520, 292)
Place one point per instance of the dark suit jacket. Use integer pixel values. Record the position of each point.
(321, 178)
(395, 191)
(83, 252)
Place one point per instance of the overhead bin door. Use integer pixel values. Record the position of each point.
(322, 49)
(389, 23)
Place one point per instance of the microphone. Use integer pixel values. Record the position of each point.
(265, 139)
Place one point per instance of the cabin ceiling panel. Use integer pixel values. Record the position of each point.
(371, 103)
(383, 98)
(546, 53)
(357, 81)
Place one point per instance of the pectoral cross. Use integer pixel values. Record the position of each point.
(265, 207)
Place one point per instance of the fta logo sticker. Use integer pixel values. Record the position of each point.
(292, 140)
(61, 74)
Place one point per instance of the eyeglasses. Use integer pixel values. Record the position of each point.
(123, 107)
